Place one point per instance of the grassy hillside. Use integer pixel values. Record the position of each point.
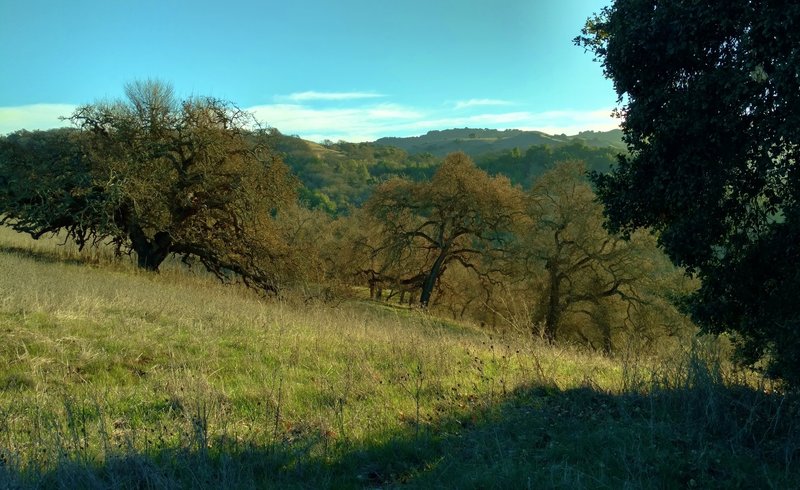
(114, 378)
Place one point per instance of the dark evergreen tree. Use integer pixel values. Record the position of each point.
(710, 104)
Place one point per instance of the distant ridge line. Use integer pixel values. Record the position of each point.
(475, 141)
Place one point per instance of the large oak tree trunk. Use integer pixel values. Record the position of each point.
(553, 316)
(430, 280)
(150, 253)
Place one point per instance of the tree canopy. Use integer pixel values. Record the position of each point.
(710, 106)
(45, 184)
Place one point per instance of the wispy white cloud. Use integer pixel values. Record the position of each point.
(357, 121)
(572, 121)
(327, 96)
(368, 123)
(466, 104)
(34, 116)
(351, 124)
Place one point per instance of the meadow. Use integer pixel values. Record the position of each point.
(115, 378)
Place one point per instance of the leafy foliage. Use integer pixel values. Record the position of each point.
(711, 105)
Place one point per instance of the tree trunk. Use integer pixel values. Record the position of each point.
(608, 346)
(603, 319)
(553, 316)
(149, 253)
(430, 280)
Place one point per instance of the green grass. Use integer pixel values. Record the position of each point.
(110, 377)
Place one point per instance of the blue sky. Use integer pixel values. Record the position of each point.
(346, 69)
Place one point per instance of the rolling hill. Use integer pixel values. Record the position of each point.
(477, 142)
(337, 175)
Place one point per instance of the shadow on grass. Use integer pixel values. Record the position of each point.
(48, 257)
(541, 437)
(707, 436)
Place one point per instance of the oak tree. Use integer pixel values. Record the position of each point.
(580, 267)
(157, 176)
(460, 215)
